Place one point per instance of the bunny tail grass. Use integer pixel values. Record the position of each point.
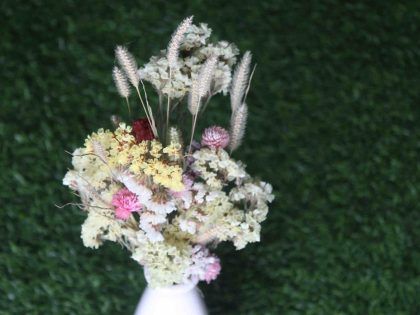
(206, 75)
(121, 82)
(122, 85)
(237, 126)
(200, 89)
(201, 85)
(193, 98)
(175, 136)
(128, 64)
(240, 81)
(175, 42)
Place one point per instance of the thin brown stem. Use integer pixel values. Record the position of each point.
(194, 124)
(249, 82)
(128, 107)
(168, 105)
(144, 106)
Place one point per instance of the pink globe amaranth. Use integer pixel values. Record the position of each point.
(213, 270)
(122, 214)
(125, 202)
(215, 137)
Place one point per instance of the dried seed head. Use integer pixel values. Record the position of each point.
(121, 82)
(115, 120)
(205, 77)
(173, 47)
(201, 85)
(175, 136)
(194, 98)
(237, 126)
(240, 81)
(128, 64)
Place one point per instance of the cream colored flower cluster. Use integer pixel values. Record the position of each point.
(203, 211)
(233, 215)
(194, 51)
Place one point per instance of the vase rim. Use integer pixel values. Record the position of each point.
(171, 289)
(176, 288)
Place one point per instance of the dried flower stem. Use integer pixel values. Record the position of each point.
(194, 123)
(249, 81)
(169, 99)
(204, 106)
(148, 112)
(128, 107)
(144, 106)
(153, 123)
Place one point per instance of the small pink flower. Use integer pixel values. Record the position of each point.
(125, 202)
(213, 270)
(215, 137)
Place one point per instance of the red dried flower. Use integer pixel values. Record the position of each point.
(142, 130)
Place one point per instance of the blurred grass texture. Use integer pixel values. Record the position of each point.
(334, 125)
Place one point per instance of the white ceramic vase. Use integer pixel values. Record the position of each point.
(181, 299)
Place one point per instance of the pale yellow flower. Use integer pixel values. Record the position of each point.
(173, 151)
(155, 149)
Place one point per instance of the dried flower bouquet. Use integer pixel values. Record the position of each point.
(167, 199)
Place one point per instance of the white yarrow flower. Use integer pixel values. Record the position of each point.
(187, 226)
(161, 207)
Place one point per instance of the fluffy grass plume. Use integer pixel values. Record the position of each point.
(206, 76)
(201, 85)
(194, 98)
(121, 82)
(177, 36)
(237, 126)
(128, 64)
(175, 136)
(240, 81)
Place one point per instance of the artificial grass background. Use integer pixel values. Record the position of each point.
(334, 126)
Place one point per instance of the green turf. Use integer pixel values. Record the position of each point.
(334, 125)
